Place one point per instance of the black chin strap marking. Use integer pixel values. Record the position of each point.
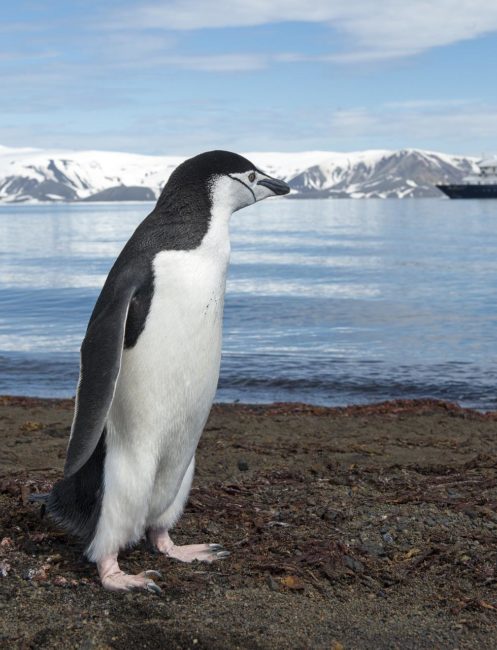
(244, 185)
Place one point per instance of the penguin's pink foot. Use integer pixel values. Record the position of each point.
(113, 579)
(192, 552)
(188, 553)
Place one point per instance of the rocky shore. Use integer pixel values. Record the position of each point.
(354, 528)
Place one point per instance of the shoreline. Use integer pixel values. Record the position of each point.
(359, 527)
(382, 406)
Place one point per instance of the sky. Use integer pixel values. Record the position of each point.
(183, 76)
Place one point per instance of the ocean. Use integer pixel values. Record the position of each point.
(329, 302)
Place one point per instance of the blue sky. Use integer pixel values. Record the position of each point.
(181, 76)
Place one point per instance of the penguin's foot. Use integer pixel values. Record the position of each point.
(189, 552)
(125, 582)
(113, 579)
(200, 552)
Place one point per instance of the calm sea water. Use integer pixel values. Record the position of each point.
(329, 302)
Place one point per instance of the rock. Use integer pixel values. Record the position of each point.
(7, 544)
(352, 563)
(372, 549)
(332, 515)
(4, 568)
(38, 575)
(243, 465)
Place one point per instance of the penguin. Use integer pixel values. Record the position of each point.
(149, 369)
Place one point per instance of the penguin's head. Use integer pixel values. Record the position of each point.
(231, 181)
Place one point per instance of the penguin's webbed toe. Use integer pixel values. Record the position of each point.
(126, 582)
(197, 552)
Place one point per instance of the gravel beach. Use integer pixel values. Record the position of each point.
(357, 528)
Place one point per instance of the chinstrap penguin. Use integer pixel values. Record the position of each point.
(149, 370)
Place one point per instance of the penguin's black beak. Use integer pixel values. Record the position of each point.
(276, 186)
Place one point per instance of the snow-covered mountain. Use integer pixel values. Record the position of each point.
(34, 175)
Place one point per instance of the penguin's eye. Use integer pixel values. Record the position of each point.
(251, 177)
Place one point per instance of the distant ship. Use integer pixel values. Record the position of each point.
(476, 186)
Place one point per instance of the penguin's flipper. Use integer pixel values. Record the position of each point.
(101, 354)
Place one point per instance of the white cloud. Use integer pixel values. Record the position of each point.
(208, 63)
(20, 57)
(380, 30)
(219, 63)
(124, 50)
(419, 121)
(452, 126)
(200, 14)
(428, 104)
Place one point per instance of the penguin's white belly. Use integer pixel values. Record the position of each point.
(168, 380)
(163, 395)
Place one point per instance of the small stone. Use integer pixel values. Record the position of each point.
(243, 465)
(7, 544)
(39, 574)
(372, 549)
(272, 584)
(4, 568)
(211, 528)
(35, 574)
(355, 565)
(332, 515)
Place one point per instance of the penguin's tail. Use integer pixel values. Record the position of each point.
(75, 501)
(74, 504)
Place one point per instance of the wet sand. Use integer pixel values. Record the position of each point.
(366, 527)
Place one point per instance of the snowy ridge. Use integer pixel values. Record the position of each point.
(33, 175)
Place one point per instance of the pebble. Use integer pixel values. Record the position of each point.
(332, 515)
(388, 539)
(243, 465)
(4, 568)
(372, 549)
(354, 564)
(7, 544)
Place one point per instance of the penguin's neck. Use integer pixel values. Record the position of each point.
(217, 237)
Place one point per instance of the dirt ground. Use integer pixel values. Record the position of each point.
(365, 527)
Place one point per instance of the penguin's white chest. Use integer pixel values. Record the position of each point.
(168, 379)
